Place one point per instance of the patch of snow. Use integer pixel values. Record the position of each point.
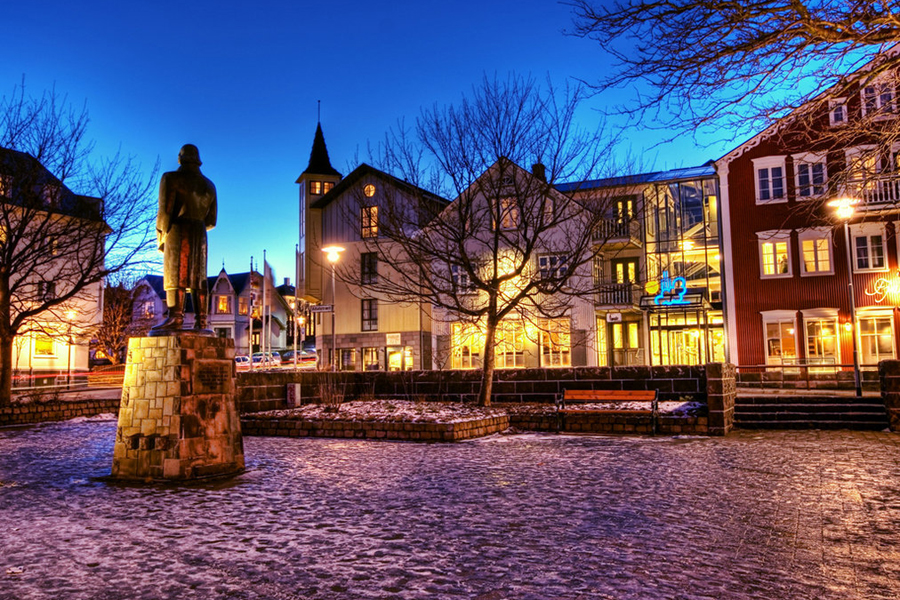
(388, 411)
(99, 417)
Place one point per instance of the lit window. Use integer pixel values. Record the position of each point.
(876, 336)
(552, 266)
(43, 346)
(369, 221)
(370, 314)
(348, 359)
(837, 111)
(369, 190)
(149, 309)
(878, 100)
(6, 185)
(810, 175)
(315, 187)
(370, 359)
(509, 213)
(327, 186)
(556, 344)
(821, 341)
(774, 253)
(223, 305)
(815, 246)
(781, 342)
(243, 307)
(509, 351)
(368, 267)
(467, 342)
(770, 179)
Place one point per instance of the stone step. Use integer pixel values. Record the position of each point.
(808, 424)
(810, 408)
(805, 416)
(803, 399)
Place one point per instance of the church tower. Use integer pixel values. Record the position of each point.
(316, 181)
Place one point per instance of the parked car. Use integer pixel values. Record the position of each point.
(304, 358)
(267, 360)
(242, 361)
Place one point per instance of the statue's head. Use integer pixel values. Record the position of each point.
(189, 155)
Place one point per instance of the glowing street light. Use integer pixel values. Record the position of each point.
(333, 254)
(844, 208)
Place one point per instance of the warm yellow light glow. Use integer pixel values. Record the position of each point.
(70, 314)
(848, 326)
(844, 207)
(332, 253)
(687, 245)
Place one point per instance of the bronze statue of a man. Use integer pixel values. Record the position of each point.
(187, 210)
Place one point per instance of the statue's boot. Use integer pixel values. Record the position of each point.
(175, 320)
(201, 309)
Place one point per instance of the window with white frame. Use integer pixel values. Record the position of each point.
(467, 342)
(775, 253)
(779, 327)
(44, 345)
(509, 352)
(810, 175)
(868, 247)
(876, 338)
(837, 112)
(821, 340)
(556, 344)
(509, 213)
(770, 179)
(816, 251)
(462, 283)
(878, 100)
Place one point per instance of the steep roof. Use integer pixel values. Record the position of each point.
(319, 163)
(363, 170)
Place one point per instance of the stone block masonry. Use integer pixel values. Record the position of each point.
(178, 418)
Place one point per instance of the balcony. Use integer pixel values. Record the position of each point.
(619, 295)
(618, 234)
(875, 191)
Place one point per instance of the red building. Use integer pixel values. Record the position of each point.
(786, 268)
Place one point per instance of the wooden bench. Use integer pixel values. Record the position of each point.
(568, 398)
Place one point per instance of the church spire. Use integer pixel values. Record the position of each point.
(319, 163)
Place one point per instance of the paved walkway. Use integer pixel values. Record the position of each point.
(759, 515)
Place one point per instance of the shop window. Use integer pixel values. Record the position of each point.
(770, 179)
(876, 339)
(509, 352)
(347, 359)
(368, 222)
(781, 343)
(223, 305)
(821, 341)
(837, 112)
(370, 314)
(816, 249)
(370, 359)
(556, 344)
(467, 342)
(44, 346)
(774, 253)
(368, 267)
(400, 358)
(810, 175)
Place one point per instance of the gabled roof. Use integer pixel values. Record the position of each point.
(319, 163)
(364, 170)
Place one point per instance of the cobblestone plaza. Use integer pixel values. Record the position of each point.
(798, 514)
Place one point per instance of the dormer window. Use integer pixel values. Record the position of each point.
(837, 112)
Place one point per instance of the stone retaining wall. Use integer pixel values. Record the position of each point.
(56, 410)
(420, 432)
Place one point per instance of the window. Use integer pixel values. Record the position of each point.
(46, 290)
(781, 341)
(243, 307)
(370, 314)
(509, 353)
(552, 266)
(327, 186)
(509, 213)
(770, 179)
(347, 359)
(50, 194)
(623, 209)
(370, 359)
(815, 248)
(223, 305)
(315, 187)
(53, 245)
(369, 190)
(626, 343)
(774, 253)
(868, 247)
(467, 342)
(809, 175)
(43, 346)
(556, 344)
(369, 221)
(461, 281)
(821, 341)
(368, 268)
(149, 309)
(876, 339)
(548, 210)
(6, 185)
(625, 270)
(837, 112)
(878, 100)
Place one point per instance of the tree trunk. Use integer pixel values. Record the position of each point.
(6, 371)
(487, 372)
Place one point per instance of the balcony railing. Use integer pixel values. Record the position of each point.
(877, 189)
(618, 232)
(619, 294)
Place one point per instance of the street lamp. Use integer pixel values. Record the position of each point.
(333, 254)
(844, 209)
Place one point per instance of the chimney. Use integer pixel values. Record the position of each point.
(539, 171)
(287, 281)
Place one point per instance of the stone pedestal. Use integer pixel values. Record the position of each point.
(889, 373)
(178, 419)
(721, 391)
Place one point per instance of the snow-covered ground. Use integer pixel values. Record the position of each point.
(386, 411)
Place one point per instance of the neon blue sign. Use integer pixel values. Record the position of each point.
(671, 291)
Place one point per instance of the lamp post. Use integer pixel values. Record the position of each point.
(333, 254)
(844, 209)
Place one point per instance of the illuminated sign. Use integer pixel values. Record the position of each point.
(882, 288)
(670, 291)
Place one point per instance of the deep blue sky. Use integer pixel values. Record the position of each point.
(241, 81)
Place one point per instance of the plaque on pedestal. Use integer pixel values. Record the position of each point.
(178, 419)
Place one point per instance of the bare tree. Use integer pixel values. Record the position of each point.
(57, 246)
(120, 322)
(510, 244)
